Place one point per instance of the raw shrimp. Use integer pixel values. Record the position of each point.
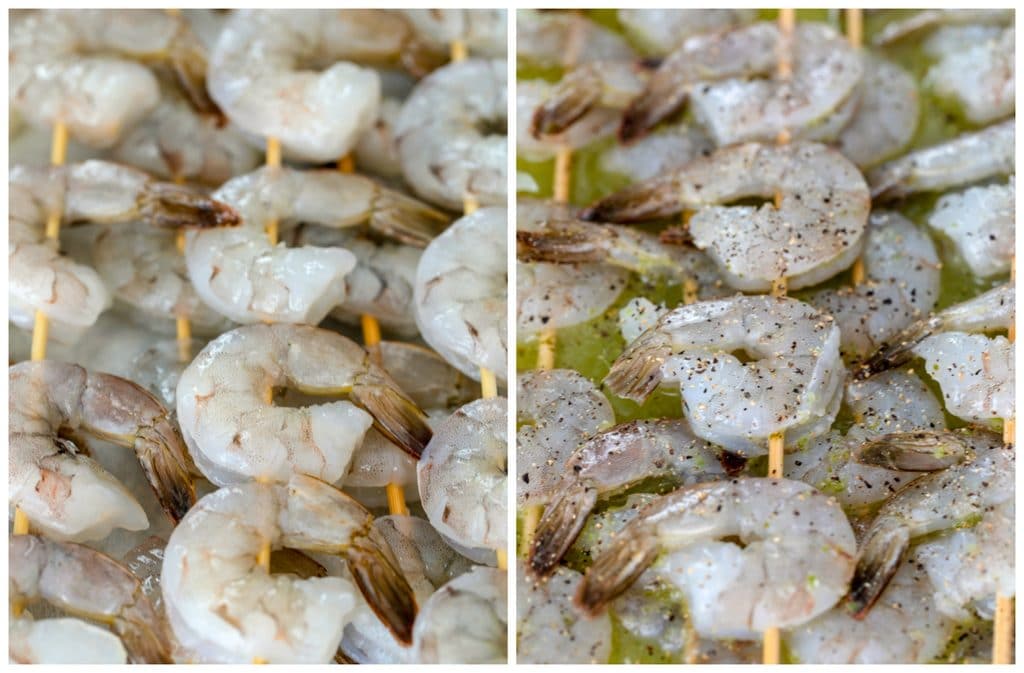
(979, 80)
(70, 294)
(376, 151)
(550, 629)
(242, 276)
(595, 124)
(85, 68)
(816, 231)
(557, 410)
(669, 148)
(484, 32)
(791, 382)
(226, 608)
(980, 222)
(901, 285)
(886, 117)
(463, 476)
(905, 627)
(465, 621)
(65, 494)
(142, 267)
(63, 640)
(719, 72)
(565, 39)
(957, 497)
(158, 367)
(612, 462)
(589, 87)
(236, 434)
(460, 300)
(452, 136)
(975, 372)
(932, 18)
(793, 561)
(660, 31)
(175, 142)
(82, 581)
(967, 158)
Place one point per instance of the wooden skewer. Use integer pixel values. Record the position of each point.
(1002, 643)
(182, 324)
(855, 35)
(273, 160)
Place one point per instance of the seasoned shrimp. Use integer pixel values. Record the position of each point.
(791, 382)
(720, 73)
(794, 558)
(886, 116)
(460, 299)
(71, 294)
(557, 410)
(660, 31)
(452, 135)
(816, 231)
(463, 476)
(975, 372)
(980, 222)
(242, 276)
(967, 158)
(64, 640)
(587, 88)
(978, 80)
(482, 31)
(932, 18)
(942, 502)
(901, 286)
(594, 125)
(225, 608)
(82, 581)
(465, 621)
(65, 494)
(565, 39)
(550, 629)
(85, 68)
(669, 148)
(235, 433)
(611, 462)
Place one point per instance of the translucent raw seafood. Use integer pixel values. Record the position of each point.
(980, 221)
(465, 621)
(550, 629)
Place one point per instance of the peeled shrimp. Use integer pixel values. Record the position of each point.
(463, 476)
(611, 462)
(235, 433)
(62, 640)
(70, 294)
(550, 629)
(565, 39)
(242, 276)
(940, 502)
(668, 149)
(979, 80)
(484, 32)
(793, 562)
(64, 493)
(226, 608)
(661, 31)
(791, 383)
(967, 158)
(815, 232)
(460, 300)
(82, 581)
(933, 18)
(886, 116)
(452, 136)
(85, 68)
(980, 222)
(595, 124)
(465, 621)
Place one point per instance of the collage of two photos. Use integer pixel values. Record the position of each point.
(265, 266)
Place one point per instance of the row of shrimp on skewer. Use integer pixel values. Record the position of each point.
(245, 530)
(887, 531)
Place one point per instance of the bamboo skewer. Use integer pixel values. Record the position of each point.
(855, 35)
(1002, 642)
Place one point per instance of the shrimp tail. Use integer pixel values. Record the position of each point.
(171, 206)
(914, 451)
(386, 590)
(648, 200)
(575, 95)
(406, 219)
(561, 524)
(565, 246)
(395, 416)
(420, 58)
(899, 350)
(168, 467)
(661, 99)
(879, 559)
(629, 555)
(637, 372)
(143, 640)
(188, 61)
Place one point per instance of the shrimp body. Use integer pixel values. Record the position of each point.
(226, 608)
(975, 371)
(65, 494)
(791, 383)
(937, 18)
(465, 621)
(583, 92)
(460, 299)
(816, 231)
(794, 561)
(886, 116)
(661, 31)
(62, 640)
(452, 135)
(979, 79)
(242, 276)
(235, 433)
(566, 39)
(980, 221)
(482, 31)
(550, 629)
(84, 582)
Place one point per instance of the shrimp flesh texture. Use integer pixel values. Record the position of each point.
(980, 222)
(465, 621)
(62, 640)
(979, 79)
(452, 136)
(484, 32)
(667, 149)
(460, 300)
(550, 629)
(794, 560)
(886, 116)
(234, 431)
(661, 31)
(566, 39)
(84, 582)
(64, 493)
(816, 231)
(791, 383)
(935, 18)
(224, 607)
